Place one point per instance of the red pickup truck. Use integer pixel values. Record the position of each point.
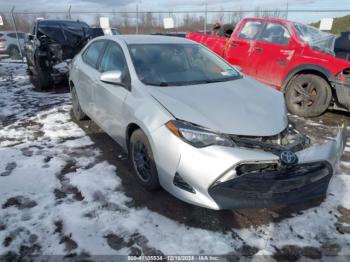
(292, 57)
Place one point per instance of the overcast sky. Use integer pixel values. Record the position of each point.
(180, 5)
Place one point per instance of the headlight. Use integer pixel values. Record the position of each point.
(196, 136)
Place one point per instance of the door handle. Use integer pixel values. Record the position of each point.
(259, 49)
(234, 44)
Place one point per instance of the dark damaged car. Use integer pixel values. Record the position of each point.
(50, 47)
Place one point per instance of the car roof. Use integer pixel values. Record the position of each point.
(59, 22)
(268, 19)
(151, 39)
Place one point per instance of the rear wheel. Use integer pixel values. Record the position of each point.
(143, 161)
(14, 52)
(308, 95)
(42, 79)
(76, 108)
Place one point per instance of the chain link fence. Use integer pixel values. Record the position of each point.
(150, 22)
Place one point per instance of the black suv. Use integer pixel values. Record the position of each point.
(51, 46)
(342, 46)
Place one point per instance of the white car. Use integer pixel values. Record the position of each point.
(9, 43)
(194, 125)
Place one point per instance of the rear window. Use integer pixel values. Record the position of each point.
(58, 23)
(13, 35)
(93, 52)
(250, 30)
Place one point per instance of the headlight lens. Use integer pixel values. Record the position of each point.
(197, 136)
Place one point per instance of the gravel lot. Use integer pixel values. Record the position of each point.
(66, 188)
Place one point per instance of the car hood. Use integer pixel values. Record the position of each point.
(240, 107)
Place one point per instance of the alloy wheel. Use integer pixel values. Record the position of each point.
(141, 161)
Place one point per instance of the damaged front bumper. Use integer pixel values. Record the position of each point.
(342, 90)
(265, 185)
(273, 187)
(219, 177)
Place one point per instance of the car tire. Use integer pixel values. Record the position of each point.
(14, 52)
(42, 79)
(308, 95)
(78, 112)
(142, 161)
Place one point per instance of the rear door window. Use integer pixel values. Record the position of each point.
(275, 33)
(93, 52)
(250, 30)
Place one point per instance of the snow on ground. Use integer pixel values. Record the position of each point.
(59, 196)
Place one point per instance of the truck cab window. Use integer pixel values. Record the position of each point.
(250, 30)
(275, 33)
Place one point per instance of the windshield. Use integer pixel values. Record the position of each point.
(179, 64)
(316, 38)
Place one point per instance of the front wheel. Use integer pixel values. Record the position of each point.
(143, 161)
(308, 95)
(77, 111)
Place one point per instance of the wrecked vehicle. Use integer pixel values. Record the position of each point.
(50, 47)
(342, 46)
(194, 125)
(292, 57)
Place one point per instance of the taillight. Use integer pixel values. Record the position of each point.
(2, 40)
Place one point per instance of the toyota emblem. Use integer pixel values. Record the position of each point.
(288, 158)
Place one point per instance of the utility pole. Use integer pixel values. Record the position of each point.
(69, 14)
(205, 17)
(15, 26)
(137, 18)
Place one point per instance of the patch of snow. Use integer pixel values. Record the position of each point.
(49, 160)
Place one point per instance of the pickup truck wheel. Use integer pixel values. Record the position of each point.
(78, 113)
(308, 95)
(42, 79)
(143, 161)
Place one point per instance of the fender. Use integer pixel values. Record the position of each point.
(305, 67)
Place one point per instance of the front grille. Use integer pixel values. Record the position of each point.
(268, 184)
(255, 167)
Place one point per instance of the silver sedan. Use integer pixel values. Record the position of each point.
(195, 125)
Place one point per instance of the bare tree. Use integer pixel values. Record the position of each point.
(273, 13)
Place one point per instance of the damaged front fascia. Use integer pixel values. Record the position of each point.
(300, 143)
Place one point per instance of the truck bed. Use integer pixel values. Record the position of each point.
(213, 42)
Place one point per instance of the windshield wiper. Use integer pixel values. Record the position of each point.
(156, 83)
(223, 79)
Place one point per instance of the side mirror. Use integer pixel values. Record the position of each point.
(112, 77)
